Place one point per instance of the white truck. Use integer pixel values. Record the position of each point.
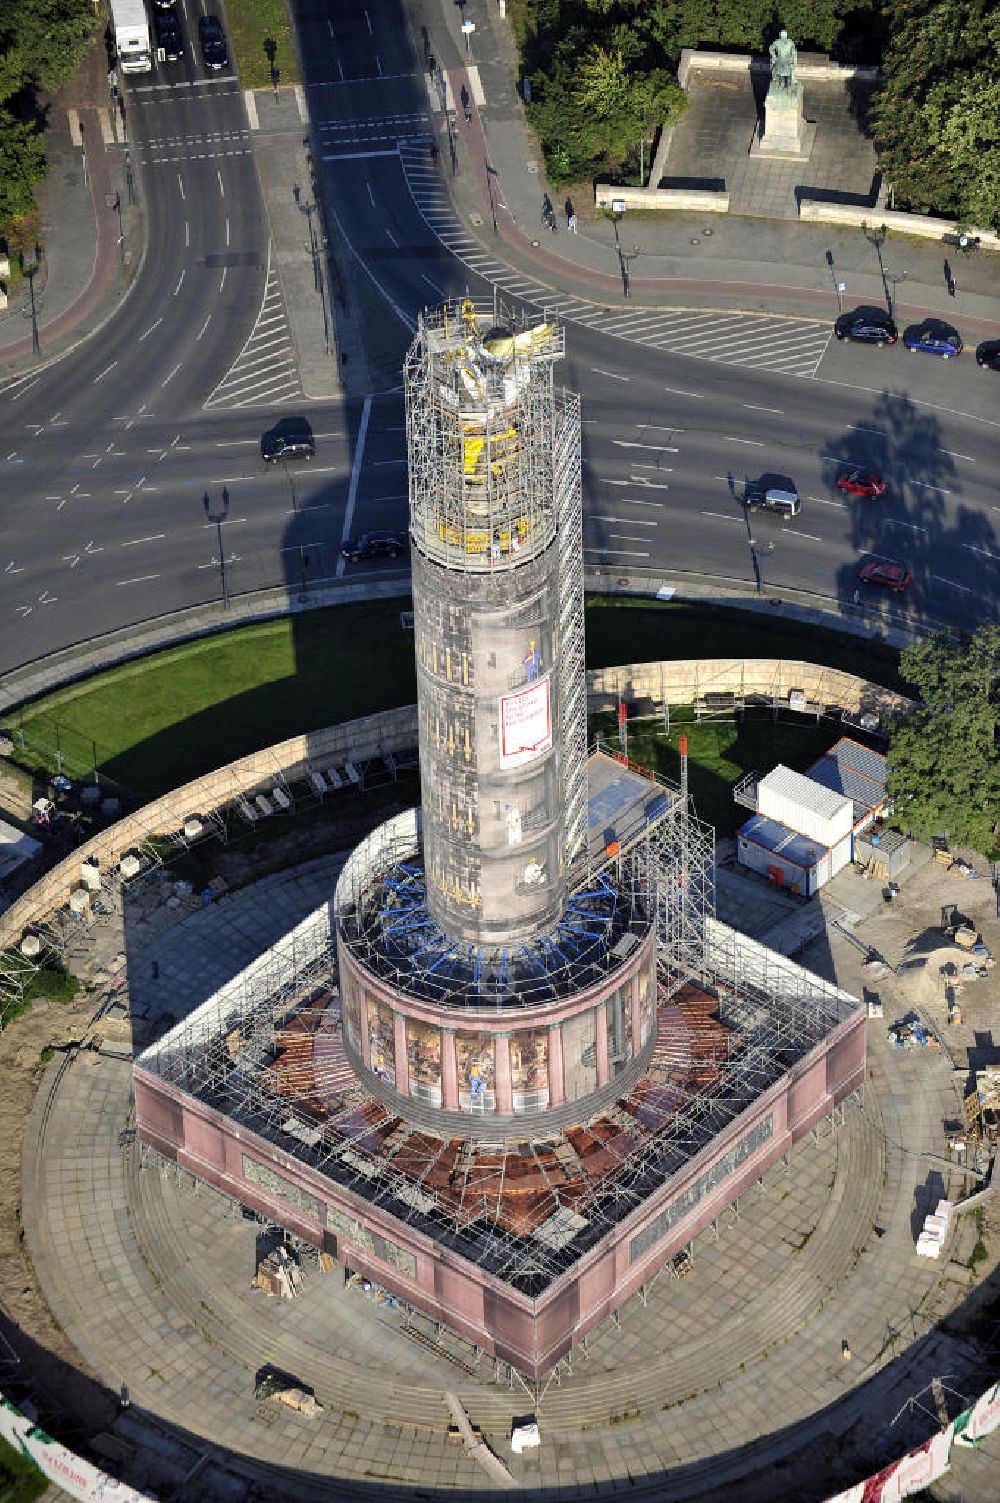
(131, 36)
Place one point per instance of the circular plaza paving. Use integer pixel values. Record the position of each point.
(733, 1369)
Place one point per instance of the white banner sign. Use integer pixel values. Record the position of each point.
(525, 724)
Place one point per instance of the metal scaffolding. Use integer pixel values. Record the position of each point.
(267, 1052)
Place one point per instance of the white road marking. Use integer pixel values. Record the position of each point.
(928, 485)
(227, 229)
(154, 537)
(371, 196)
(758, 443)
(752, 407)
(676, 391)
(180, 280)
(861, 428)
(222, 279)
(150, 330)
(952, 584)
(622, 552)
(180, 184)
(170, 377)
(632, 521)
(723, 516)
(823, 501)
(391, 236)
(895, 522)
(632, 443)
(613, 375)
(368, 21)
(25, 389)
(222, 186)
(953, 455)
(187, 234)
(140, 579)
(433, 285)
(329, 25)
(204, 326)
(105, 372)
(792, 532)
(986, 552)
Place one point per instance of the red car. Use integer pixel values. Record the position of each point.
(862, 483)
(889, 576)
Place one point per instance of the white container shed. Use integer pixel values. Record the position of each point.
(805, 806)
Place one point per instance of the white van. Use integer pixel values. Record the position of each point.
(783, 503)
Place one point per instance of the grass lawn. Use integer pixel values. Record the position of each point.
(720, 752)
(164, 719)
(251, 24)
(20, 1479)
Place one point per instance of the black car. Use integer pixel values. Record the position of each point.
(374, 545)
(213, 43)
(165, 4)
(168, 35)
(866, 326)
(988, 355)
(292, 438)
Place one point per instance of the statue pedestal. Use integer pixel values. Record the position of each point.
(787, 135)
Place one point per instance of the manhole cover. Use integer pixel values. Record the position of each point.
(695, 241)
(531, 165)
(476, 218)
(708, 232)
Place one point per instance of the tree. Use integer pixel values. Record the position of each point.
(936, 120)
(944, 759)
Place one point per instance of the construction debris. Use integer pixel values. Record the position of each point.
(475, 1446)
(909, 1034)
(279, 1275)
(277, 1385)
(935, 1229)
(982, 1107)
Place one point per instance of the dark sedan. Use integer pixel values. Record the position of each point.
(988, 355)
(374, 545)
(213, 44)
(866, 326)
(933, 338)
(291, 438)
(168, 35)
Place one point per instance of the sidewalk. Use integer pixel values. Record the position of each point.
(84, 272)
(677, 258)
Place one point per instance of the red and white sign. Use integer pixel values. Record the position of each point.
(525, 724)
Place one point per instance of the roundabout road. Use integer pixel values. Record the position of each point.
(131, 485)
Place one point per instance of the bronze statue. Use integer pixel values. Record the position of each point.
(783, 59)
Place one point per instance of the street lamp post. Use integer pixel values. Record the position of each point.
(218, 514)
(468, 27)
(31, 269)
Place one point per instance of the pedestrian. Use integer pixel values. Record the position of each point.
(571, 224)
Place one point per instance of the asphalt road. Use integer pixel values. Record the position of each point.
(127, 497)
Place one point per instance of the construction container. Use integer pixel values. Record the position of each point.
(889, 848)
(820, 814)
(784, 857)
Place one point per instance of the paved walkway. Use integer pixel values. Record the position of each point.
(715, 1377)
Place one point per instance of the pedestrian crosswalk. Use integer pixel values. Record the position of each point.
(265, 369)
(754, 341)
